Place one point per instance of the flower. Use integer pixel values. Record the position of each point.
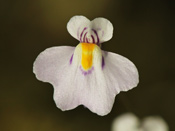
(85, 74)
(130, 122)
(126, 122)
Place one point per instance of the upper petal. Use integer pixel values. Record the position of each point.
(76, 25)
(103, 27)
(96, 31)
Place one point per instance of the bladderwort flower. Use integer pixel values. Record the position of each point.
(85, 74)
(130, 122)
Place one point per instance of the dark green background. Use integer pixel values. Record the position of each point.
(143, 32)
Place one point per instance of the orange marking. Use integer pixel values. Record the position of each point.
(87, 55)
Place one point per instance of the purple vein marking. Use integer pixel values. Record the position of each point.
(71, 59)
(84, 37)
(93, 38)
(96, 35)
(87, 40)
(86, 72)
(82, 33)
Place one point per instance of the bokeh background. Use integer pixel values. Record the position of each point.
(143, 32)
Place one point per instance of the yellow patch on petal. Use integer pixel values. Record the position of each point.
(87, 55)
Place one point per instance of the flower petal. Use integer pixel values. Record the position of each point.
(71, 87)
(103, 28)
(49, 64)
(97, 31)
(76, 25)
(120, 72)
(97, 90)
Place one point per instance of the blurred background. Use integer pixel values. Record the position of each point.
(143, 32)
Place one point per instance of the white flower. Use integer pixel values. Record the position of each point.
(85, 74)
(154, 123)
(126, 122)
(129, 122)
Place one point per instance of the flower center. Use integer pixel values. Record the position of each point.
(87, 55)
